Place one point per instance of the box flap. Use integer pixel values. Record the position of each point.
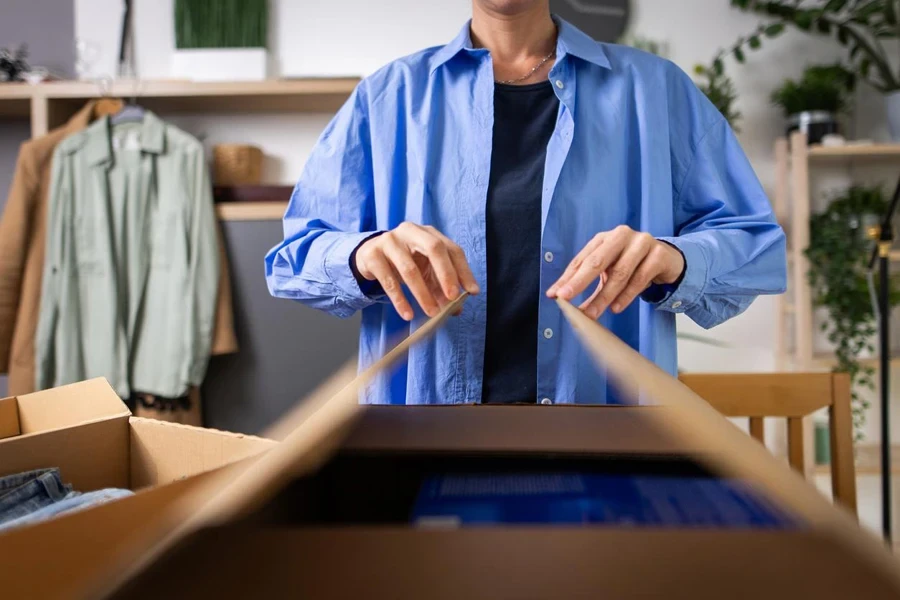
(317, 425)
(9, 418)
(690, 418)
(90, 456)
(69, 405)
(162, 452)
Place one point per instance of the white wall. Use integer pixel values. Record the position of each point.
(314, 38)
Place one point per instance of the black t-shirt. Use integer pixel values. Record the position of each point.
(524, 118)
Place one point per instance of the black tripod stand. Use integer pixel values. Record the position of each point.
(881, 253)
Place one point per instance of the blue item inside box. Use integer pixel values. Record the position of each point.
(460, 499)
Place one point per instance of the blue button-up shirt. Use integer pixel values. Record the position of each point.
(635, 143)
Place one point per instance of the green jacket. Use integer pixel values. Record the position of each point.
(131, 270)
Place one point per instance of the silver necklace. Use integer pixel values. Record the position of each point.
(531, 72)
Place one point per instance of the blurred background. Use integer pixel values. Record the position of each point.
(810, 87)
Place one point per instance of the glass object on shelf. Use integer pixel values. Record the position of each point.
(87, 54)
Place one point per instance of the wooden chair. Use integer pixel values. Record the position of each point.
(792, 396)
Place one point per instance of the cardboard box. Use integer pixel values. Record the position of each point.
(324, 513)
(86, 431)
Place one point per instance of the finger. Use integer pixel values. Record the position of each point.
(620, 273)
(576, 264)
(389, 280)
(466, 278)
(425, 242)
(640, 281)
(402, 260)
(593, 266)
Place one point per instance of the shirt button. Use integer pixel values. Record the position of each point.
(548, 256)
(559, 84)
(548, 333)
(546, 401)
(676, 304)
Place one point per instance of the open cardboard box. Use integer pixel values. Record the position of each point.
(324, 513)
(86, 431)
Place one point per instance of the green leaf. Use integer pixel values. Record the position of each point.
(754, 42)
(738, 54)
(803, 20)
(823, 26)
(774, 29)
(842, 35)
(867, 10)
(718, 67)
(835, 5)
(864, 66)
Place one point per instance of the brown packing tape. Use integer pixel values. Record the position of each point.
(316, 427)
(690, 417)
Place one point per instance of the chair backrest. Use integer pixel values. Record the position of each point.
(792, 396)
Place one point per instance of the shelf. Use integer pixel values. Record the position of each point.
(871, 151)
(251, 211)
(15, 100)
(288, 95)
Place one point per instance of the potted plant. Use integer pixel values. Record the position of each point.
(868, 29)
(838, 253)
(221, 40)
(720, 90)
(813, 103)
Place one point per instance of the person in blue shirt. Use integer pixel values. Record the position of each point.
(521, 162)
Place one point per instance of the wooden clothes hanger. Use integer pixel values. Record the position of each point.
(106, 105)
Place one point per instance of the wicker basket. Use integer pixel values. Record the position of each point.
(237, 164)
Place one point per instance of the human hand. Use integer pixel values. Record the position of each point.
(625, 262)
(432, 266)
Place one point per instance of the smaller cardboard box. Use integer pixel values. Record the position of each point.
(86, 431)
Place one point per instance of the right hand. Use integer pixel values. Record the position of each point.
(432, 266)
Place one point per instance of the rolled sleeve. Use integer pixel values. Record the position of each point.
(689, 292)
(340, 273)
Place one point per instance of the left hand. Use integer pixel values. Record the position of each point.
(623, 263)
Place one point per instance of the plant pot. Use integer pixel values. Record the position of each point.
(816, 124)
(220, 64)
(892, 109)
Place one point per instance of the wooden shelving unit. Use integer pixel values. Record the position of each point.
(49, 105)
(250, 211)
(792, 204)
(870, 151)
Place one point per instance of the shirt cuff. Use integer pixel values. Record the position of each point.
(372, 289)
(686, 292)
(337, 268)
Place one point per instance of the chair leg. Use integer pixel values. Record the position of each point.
(757, 430)
(795, 443)
(840, 421)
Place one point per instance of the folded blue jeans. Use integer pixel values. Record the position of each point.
(39, 495)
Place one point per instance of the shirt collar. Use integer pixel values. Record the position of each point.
(98, 146)
(571, 40)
